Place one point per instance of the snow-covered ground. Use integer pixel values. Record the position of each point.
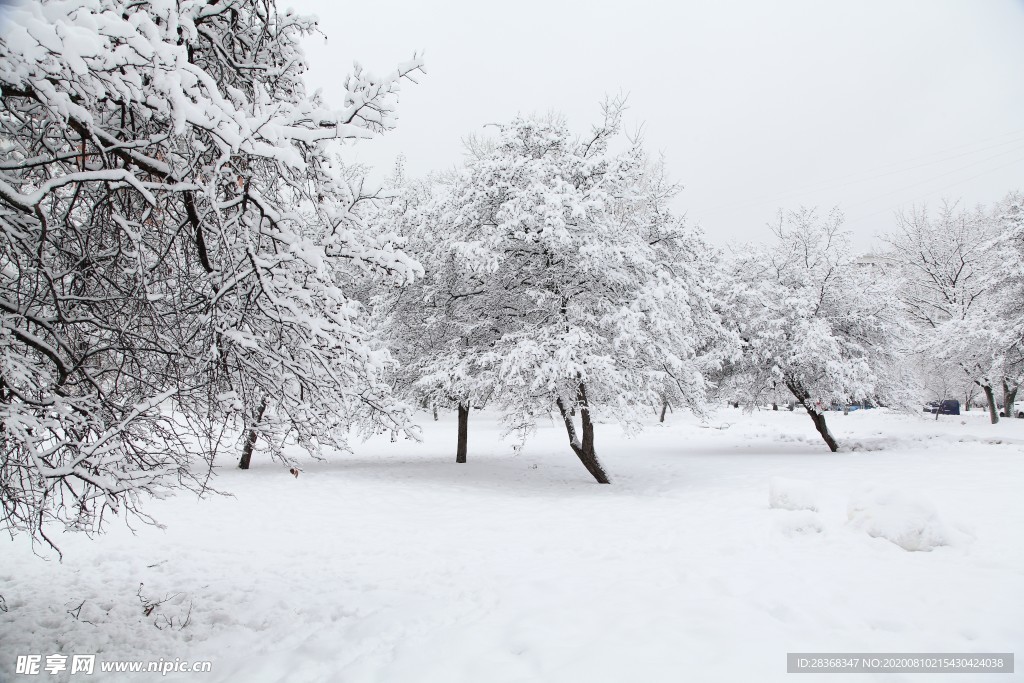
(718, 548)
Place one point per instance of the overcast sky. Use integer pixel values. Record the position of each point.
(869, 105)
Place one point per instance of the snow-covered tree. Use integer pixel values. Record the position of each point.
(1008, 289)
(946, 262)
(425, 320)
(814, 321)
(999, 321)
(560, 281)
(941, 259)
(177, 245)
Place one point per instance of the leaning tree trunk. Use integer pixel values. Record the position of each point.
(250, 438)
(817, 417)
(460, 451)
(1009, 398)
(583, 448)
(993, 413)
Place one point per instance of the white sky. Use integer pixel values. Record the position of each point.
(869, 105)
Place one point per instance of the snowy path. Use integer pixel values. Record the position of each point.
(397, 565)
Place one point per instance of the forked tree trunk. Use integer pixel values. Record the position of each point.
(583, 448)
(250, 438)
(993, 412)
(460, 450)
(817, 417)
(1009, 398)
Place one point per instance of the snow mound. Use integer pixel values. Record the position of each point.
(911, 523)
(791, 494)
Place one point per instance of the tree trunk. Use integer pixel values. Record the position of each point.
(817, 417)
(993, 413)
(1009, 398)
(460, 451)
(250, 438)
(584, 448)
(435, 413)
(664, 407)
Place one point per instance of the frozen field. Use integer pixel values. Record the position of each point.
(395, 564)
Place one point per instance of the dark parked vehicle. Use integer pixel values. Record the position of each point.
(948, 407)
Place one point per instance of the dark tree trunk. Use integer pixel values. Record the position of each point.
(583, 448)
(460, 451)
(817, 417)
(664, 407)
(435, 413)
(1009, 398)
(775, 406)
(250, 438)
(990, 397)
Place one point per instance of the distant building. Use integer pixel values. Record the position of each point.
(877, 264)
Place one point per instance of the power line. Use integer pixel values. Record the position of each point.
(941, 175)
(873, 174)
(941, 189)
